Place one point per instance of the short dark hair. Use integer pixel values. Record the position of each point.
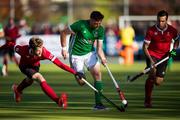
(96, 15)
(162, 13)
(35, 42)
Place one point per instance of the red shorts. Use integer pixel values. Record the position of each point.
(29, 71)
(6, 49)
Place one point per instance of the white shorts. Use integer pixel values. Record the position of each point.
(79, 62)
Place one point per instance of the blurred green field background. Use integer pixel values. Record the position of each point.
(37, 106)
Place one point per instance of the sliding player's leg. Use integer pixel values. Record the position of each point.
(18, 89)
(61, 101)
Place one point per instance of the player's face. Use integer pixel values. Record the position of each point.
(38, 51)
(162, 22)
(95, 23)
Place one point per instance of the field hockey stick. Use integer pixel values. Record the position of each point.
(133, 78)
(121, 94)
(100, 93)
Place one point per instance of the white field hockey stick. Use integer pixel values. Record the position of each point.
(133, 78)
(120, 93)
(100, 93)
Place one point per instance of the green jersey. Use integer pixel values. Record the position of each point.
(83, 41)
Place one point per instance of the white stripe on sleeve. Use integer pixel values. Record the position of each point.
(100, 39)
(70, 28)
(178, 37)
(53, 58)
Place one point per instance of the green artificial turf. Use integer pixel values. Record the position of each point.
(35, 105)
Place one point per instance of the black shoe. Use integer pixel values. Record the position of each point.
(100, 107)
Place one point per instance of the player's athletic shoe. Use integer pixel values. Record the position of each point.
(100, 107)
(147, 104)
(63, 101)
(17, 95)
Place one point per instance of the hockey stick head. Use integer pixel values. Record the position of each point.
(124, 105)
(128, 78)
(133, 78)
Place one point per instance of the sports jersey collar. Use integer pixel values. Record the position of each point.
(160, 29)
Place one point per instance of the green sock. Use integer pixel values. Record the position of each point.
(1, 67)
(170, 61)
(98, 85)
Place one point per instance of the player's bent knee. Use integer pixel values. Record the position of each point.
(38, 77)
(97, 75)
(28, 80)
(159, 81)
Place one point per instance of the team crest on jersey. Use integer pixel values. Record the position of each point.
(155, 33)
(168, 34)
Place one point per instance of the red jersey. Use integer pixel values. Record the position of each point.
(159, 40)
(27, 59)
(12, 33)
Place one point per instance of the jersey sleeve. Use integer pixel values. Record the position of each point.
(18, 50)
(47, 55)
(101, 33)
(75, 27)
(147, 38)
(176, 36)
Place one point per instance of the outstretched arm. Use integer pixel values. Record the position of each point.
(65, 67)
(79, 76)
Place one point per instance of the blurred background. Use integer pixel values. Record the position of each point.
(48, 17)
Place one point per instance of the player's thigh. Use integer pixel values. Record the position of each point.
(29, 71)
(11, 53)
(3, 50)
(160, 73)
(93, 65)
(161, 69)
(91, 60)
(77, 63)
(38, 77)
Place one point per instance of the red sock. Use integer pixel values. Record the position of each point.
(148, 90)
(49, 91)
(24, 84)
